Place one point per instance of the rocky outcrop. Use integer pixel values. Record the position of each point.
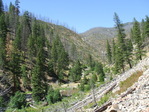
(135, 101)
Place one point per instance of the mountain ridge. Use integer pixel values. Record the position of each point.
(71, 39)
(127, 27)
(97, 37)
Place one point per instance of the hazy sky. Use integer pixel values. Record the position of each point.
(86, 14)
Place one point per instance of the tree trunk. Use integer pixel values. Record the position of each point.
(123, 68)
(129, 64)
(14, 83)
(140, 57)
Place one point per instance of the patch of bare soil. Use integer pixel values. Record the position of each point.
(70, 85)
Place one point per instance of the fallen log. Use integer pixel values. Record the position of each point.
(103, 107)
(128, 92)
(111, 88)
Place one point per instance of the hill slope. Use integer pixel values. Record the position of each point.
(96, 37)
(72, 42)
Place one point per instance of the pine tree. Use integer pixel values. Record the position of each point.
(147, 27)
(143, 30)
(26, 31)
(12, 17)
(63, 59)
(132, 35)
(6, 17)
(91, 62)
(109, 54)
(54, 52)
(97, 68)
(100, 72)
(118, 59)
(24, 76)
(3, 33)
(113, 51)
(121, 48)
(1, 7)
(128, 55)
(50, 68)
(37, 86)
(53, 95)
(15, 68)
(17, 7)
(38, 75)
(59, 56)
(17, 40)
(76, 72)
(137, 39)
(16, 16)
(32, 41)
(73, 51)
(36, 43)
(82, 86)
(18, 100)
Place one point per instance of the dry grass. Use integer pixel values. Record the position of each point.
(70, 85)
(129, 82)
(69, 92)
(147, 54)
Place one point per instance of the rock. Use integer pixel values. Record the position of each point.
(146, 110)
(113, 108)
(44, 103)
(135, 101)
(113, 111)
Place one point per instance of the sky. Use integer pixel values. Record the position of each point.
(83, 15)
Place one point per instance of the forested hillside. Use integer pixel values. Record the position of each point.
(38, 60)
(35, 53)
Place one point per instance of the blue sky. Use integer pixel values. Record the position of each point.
(86, 14)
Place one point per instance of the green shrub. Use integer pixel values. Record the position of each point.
(87, 87)
(56, 96)
(106, 69)
(53, 95)
(85, 80)
(94, 78)
(104, 99)
(81, 86)
(1, 101)
(111, 78)
(18, 100)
